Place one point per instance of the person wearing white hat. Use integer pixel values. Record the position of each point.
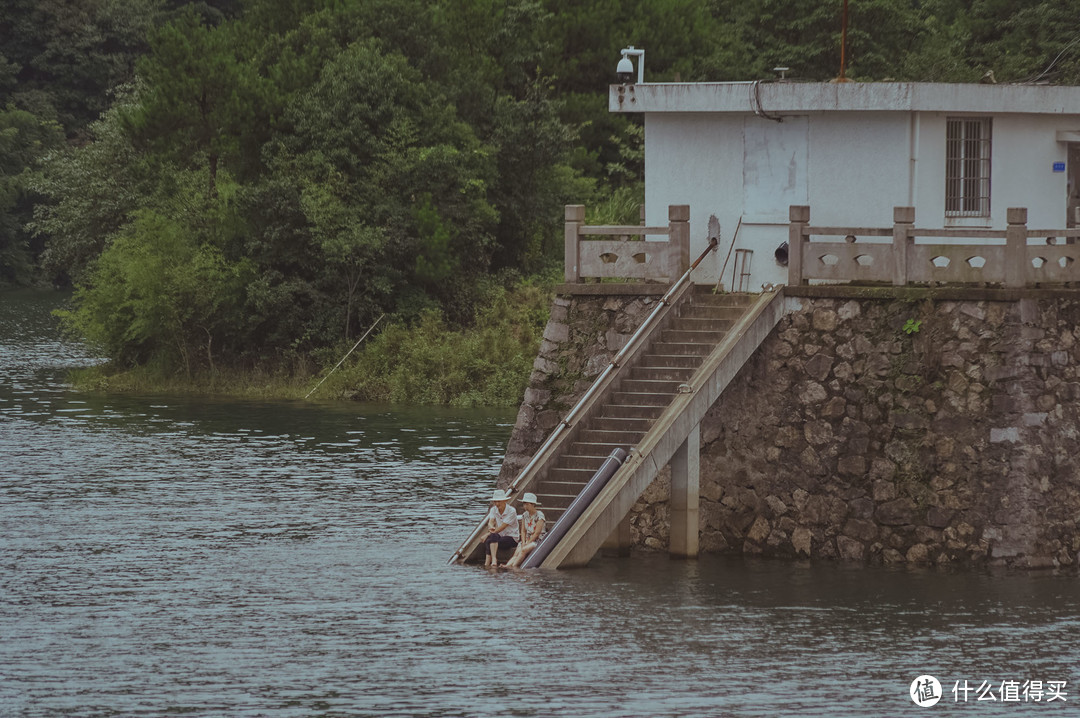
(502, 528)
(532, 529)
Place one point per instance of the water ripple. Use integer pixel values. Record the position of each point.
(288, 559)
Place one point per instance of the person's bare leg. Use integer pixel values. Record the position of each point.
(494, 546)
(519, 555)
(516, 559)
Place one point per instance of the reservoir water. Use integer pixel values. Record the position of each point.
(167, 556)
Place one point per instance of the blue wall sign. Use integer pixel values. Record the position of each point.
(1059, 166)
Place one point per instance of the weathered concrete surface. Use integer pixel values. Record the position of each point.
(846, 437)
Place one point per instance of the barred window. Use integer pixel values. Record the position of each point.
(967, 167)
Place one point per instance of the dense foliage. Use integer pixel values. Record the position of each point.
(236, 184)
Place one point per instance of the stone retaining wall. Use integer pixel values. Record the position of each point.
(940, 432)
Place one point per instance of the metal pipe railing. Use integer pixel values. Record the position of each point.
(571, 417)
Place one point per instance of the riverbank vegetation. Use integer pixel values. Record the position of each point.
(237, 189)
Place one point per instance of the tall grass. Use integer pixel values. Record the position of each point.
(430, 362)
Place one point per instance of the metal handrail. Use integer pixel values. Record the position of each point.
(568, 421)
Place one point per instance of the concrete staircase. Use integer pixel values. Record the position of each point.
(642, 395)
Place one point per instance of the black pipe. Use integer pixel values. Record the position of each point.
(576, 508)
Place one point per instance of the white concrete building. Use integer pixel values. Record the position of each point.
(960, 154)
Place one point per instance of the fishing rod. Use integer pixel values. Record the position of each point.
(346, 355)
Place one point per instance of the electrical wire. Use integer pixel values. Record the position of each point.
(1049, 67)
(755, 103)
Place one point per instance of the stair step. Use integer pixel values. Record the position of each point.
(703, 324)
(584, 448)
(641, 399)
(552, 504)
(625, 438)
(732, 299)
(621, 423)
(681, 348)
(574, 461)
(685, 336)
(677, 374)
(578, 476)
(691, 361)
(632, 411)
(561, 488)
(711, 311)
(650, 386)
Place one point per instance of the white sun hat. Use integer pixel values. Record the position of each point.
(529, 499)
(500, 495)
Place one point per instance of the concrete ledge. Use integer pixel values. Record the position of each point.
(971, 294)
(612, 289)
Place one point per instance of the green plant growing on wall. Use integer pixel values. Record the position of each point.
(911, 326)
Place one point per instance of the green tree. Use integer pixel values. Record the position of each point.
(202, 104)
(68, 55)
(159, 293)
(87, 193)
(23, 138)
(370, 140)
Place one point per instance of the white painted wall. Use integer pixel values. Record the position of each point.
(858, 166)
(695, 160)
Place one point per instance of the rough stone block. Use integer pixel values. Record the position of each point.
(853, 465)
(928, 535)
(1034, 418)
(897, 512)
(818, 366)
(545, 366)
(919, 553)
(861, 529)
(778, 507)
(862, 508)
(849, 310)
(824, 320)
(850, 549)
(835, 408)
(535, 397)
(1008, 434)
(556, 331)
(811, 393)
(811, 462)
(818, 432)
(884, 490)
(801, 541)
(938, 517)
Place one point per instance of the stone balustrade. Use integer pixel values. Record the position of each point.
(622, 252)
(997, 257)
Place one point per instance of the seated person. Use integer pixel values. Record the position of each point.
(502, 528)
(532, 529)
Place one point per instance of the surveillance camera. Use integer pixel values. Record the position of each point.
(625, 70)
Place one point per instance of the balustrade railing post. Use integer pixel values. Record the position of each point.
(1016, 246)
(574, 219)
(799, 216)
(679, 237)
(903, 222)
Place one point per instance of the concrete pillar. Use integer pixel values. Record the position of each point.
(799, 216)
(903, 221)
(1016, 261)
(618, 543)
(685, 496)
(574, 219)
(679, 236)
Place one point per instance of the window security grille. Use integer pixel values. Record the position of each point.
(967, 167)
